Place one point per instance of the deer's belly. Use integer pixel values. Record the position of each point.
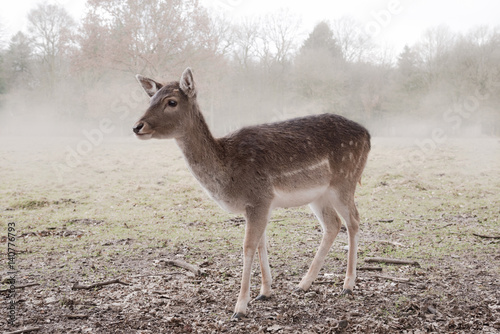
(291, 198)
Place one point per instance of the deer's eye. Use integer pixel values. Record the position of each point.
(172, 103)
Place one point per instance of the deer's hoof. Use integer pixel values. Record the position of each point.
(346, 292)
(262, 298)
(238, 316)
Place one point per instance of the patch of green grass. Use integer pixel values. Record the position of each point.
(30, 204)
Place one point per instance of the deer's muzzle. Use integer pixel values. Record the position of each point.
(143, 130)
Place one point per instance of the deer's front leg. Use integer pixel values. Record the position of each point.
(256, 224)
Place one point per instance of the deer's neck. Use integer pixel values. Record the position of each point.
(202, 151)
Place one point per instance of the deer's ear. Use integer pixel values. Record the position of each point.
(150, 86)
(187, 83)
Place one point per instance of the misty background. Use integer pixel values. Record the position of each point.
(59, 76)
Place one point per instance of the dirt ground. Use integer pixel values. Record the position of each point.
(97, 222)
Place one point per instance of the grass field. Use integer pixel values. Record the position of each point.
(117, 209)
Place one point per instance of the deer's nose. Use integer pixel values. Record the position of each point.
(137, 127)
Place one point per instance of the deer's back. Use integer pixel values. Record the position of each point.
(300, 142)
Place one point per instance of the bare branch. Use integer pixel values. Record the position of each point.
(392, 261)
(395, 279)
(77, 286)
(487, 236)
(25, 330)
(178, 263)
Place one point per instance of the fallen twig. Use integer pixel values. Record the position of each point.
(26, 330)
(157, 275)
(385, 220)
(393, 261)
(20, 287)
(178, 263)
(395, 279)
(77, 316)
(370, 268)
(77, 285)
(487, 236)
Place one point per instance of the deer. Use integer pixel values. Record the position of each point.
(316, 160)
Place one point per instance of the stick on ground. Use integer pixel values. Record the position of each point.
(178, 263)
(26, 330)
(393, 261)
(77, 316)
(77, 286)
(487, 236)
(157, 275)
(370, 268)
(20, 287)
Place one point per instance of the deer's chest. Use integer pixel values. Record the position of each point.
(221, 190)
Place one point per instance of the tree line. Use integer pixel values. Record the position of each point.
(257, 69)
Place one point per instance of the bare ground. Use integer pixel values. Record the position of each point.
(460, 295)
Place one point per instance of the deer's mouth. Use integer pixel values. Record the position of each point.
(148, 135)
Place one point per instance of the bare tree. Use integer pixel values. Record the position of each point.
(245, 36)
(147, 36)
(278, 37)
(434, 49)
(51, 27)
(219, 36)
(354, 43)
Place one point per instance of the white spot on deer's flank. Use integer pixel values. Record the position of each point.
(321, 164)
(351, 142)
(342, 145)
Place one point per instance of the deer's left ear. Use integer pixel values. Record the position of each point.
(149, 85)
(187, 83)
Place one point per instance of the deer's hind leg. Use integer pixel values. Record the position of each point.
(330, 222)
(346, 208)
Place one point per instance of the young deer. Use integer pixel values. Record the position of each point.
(315, 160)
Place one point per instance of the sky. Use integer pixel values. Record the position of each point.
(391, 23)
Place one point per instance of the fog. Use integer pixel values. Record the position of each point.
(63, 78)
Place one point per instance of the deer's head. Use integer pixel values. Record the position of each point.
(169, 107)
